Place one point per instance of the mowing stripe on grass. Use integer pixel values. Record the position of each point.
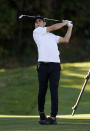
(78, 116)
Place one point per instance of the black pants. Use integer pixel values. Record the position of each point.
(48, 72)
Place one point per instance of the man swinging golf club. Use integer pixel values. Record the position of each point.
(49, 64)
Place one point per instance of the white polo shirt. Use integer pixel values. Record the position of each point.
(47, 45)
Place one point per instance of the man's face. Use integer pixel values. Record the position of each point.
(39, 23)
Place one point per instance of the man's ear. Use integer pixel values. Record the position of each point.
(44, 23)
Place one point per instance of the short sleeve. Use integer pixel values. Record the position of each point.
(57, 38)
(40, 30)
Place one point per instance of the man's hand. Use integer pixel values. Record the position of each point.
(69, 24)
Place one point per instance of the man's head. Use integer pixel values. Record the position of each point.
(39, 21)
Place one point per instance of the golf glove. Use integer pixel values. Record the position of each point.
(69, 23)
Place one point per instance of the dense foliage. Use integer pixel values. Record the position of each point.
(16, 42)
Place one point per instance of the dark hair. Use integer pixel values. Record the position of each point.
(39, 17)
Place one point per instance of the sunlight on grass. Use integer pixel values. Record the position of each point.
(85, 64)
(70, 69)
(78, 116)
(2, 70)
(75, 74)
(81, 64)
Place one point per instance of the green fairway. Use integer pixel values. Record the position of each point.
(30, 123)
(18, 99)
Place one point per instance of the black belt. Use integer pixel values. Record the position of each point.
(48, 63)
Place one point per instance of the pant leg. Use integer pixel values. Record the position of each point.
(43, 85)
(54, 82)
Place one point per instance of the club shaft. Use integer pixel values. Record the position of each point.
(73, 112)
(29, 16)
(51, 19)
(81, 92)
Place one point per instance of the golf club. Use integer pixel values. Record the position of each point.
(81, 92)
(21, 16)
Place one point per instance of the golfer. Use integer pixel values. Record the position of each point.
(49, 64)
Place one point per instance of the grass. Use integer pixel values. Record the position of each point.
(18, 91)
(31, 124)
(18, 99)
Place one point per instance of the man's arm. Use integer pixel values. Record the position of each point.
(56, 26)
(67, 36)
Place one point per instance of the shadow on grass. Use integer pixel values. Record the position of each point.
(31, 124)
